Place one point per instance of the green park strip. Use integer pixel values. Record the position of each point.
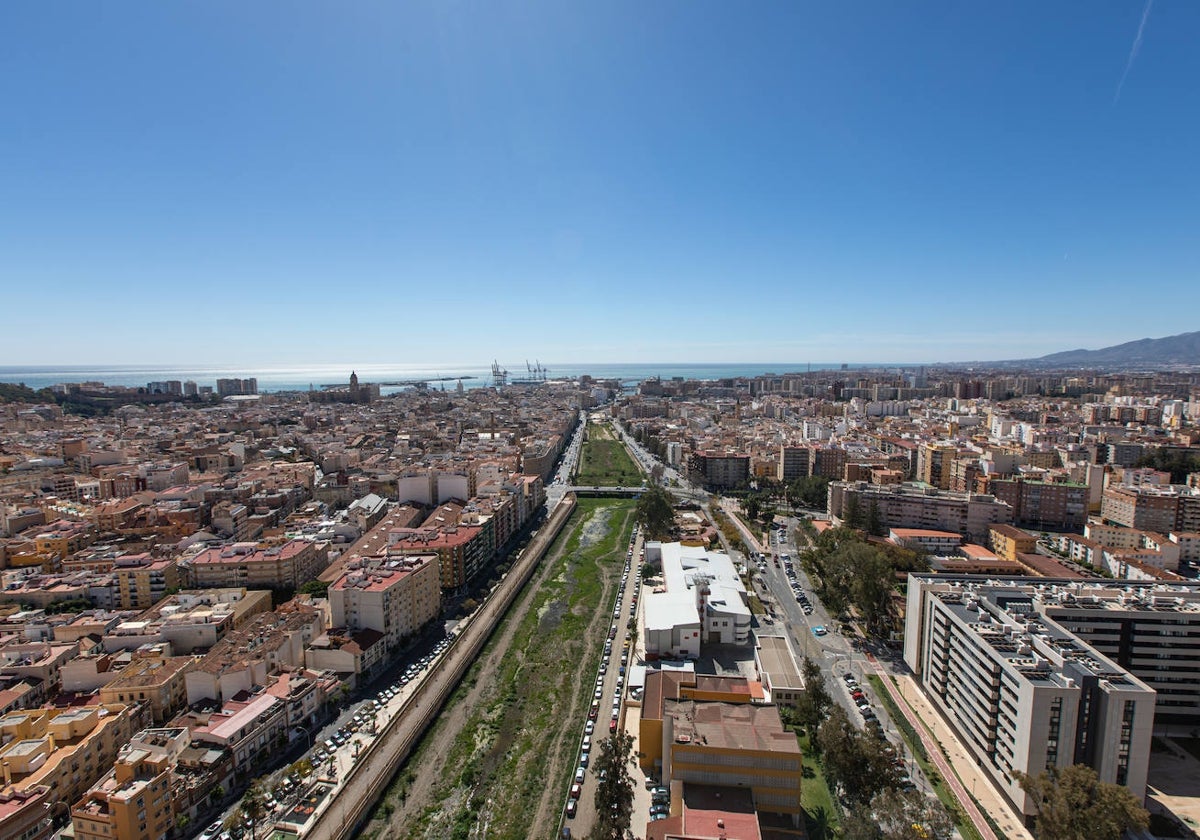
(508, 764)
(604, 461)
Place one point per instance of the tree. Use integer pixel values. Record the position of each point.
(813, 704)
(655, 514)
(898, 815)
(875, 520)
(751, 507)
(768, 515)
(1178, 462)
(871, 589)
(614, 792)
(810, 491)
(254, 803)
(860, 762)
(316, 588)
(852, 513)
(1072, 803)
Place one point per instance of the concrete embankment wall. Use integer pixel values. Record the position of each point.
(378, 763)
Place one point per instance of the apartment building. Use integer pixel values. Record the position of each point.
(1049, 506)
(1034, 676)
(462, 550)
(828, 461)
(347, 654)
(395, 596)
(935, 464)
(794, 462)
(64, 749)
(267, 565)
(63, 537)
(143, 580)
(134, 800)
(1148, 507)
(237, 387)
(250, 726)
(1008, 541)
(718, 469)
(159, 681)
(919, 506)
(25, 813)
(269, 644)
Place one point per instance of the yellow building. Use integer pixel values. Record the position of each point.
(1008, 541)
(133, 802)
(66, 749)
(934, 464)
(63, 538)
(738, 745)
(144, 581)
(159, 681)
(663, 686)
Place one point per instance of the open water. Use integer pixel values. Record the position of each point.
(300, 378)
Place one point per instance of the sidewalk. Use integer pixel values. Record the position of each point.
(969, 783)
(751, 541)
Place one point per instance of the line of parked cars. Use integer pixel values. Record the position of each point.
(365, 720)
(589, 728)
(660, 800)
(861, 701)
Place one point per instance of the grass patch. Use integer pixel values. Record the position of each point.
(531, 714)
(820, 810)
(605, 462)
(917, 749)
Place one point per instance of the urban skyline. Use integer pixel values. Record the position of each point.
(868, 184)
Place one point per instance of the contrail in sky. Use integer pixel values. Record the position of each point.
(1133, 52)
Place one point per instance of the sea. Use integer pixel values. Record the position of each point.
(302, 378)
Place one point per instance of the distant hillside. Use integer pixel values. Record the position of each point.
(1183, 349)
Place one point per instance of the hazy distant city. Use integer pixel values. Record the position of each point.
(839, 598)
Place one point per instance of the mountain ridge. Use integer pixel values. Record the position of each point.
(1181, 349)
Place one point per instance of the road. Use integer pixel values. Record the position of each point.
(607, 690)
(835, 654)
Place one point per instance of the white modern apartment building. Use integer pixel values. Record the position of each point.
(1005, 663)
(702, 600)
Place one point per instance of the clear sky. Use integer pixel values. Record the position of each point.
(445, 182)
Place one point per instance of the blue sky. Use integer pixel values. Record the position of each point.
(443, 182)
